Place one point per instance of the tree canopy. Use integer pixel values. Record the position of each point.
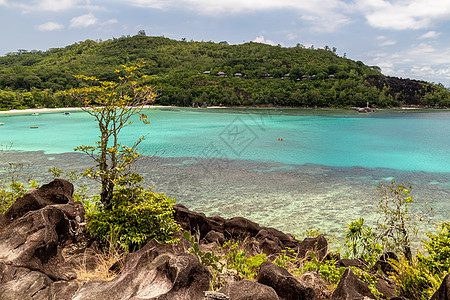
(215, 73)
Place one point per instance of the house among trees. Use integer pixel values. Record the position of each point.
(207, 72)
(238, 75)
(221, 74)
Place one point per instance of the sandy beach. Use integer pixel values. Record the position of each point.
(64, 109)
(39, 110)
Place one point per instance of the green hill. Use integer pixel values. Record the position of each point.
(215, 73)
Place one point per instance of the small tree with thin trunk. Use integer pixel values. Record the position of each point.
(112, 104)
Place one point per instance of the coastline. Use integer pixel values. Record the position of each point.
(64, 109)
(38, 110)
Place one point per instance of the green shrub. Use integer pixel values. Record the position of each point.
(246, 267)
(438, 249)
(137, 216)
(361, 242)
(327, 270)
(413, 279)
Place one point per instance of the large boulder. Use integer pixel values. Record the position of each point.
(209, 229)
(318, 245)
(22, 283)
(249, 290)
(59, 191)
(195, 222)
(241, 227)
(285, 285)
(350, 287)
(320, 285)
(443, 293)
(347, 262)
(34, 241)
(33, 232)
(286, 239)
(156, 271)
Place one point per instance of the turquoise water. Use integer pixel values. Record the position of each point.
(322, 174)
(415, 141)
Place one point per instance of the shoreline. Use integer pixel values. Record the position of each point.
(38, 110)
(64, 109)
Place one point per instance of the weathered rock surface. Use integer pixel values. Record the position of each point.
(211, 229)
(318, 245)
(34, 241)
(155, 271)
(350, 287)
(249, 290)
(21, 283)
(319, 285)
(345, 262)
(285, 285)
(386, 287)
(59, 191)
(32, 233)
(34, 228)
(443, 293)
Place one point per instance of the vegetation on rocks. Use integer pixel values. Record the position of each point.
(136, 216)
(131, 216)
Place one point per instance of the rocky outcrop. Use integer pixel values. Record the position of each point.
(320, 286)
(156, 271)
(285, 285)
(249, 290)
(318, 245)
(211, 229)
(346, 262)
(36, 228)
(32, 233)
(59, 191)
(34, 241)
(350, 287)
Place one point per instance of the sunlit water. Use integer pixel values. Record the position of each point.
(290, 169)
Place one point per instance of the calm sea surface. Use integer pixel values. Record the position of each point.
(286, 168)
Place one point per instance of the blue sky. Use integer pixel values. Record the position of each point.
(406, 38)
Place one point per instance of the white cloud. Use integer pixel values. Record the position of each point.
(430, 35)
(83, 21)
(110, 21)
(418, 61)
(50, 26)
(401, 14)
(326, 15)
(291, 36)
(261, 39)
(388, 43)
(28, 6)
(385, 41)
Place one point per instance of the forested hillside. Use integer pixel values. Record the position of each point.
(212, 73)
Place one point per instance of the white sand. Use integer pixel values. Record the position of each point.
(39, 110)
(64, 109)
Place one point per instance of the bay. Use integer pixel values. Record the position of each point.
(287, 168)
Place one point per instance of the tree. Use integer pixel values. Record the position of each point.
(112, 104)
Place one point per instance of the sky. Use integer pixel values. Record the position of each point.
(405, 38)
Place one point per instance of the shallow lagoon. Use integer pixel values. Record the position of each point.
(231, 162)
